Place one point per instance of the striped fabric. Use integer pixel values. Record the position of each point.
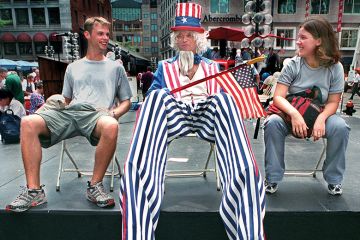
(188, 10)
(171, 76)
(216, 119)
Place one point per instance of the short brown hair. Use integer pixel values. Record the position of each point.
(89, 23)
(328, 52)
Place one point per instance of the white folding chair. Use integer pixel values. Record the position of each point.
(309, 172)
(64, 150)
(197, 172)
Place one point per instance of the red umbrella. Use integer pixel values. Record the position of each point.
(235, 34)
(224, 33)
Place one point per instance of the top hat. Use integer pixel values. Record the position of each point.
(188, 17)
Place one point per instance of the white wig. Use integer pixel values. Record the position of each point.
(200, 39)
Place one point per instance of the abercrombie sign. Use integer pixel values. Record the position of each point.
(209, 18)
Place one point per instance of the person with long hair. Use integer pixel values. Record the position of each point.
(201, 109)
(316, 64)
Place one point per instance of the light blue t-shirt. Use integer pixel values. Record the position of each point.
(97, 83)
(299, 76)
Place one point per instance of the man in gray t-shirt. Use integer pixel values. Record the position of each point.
(96, 93)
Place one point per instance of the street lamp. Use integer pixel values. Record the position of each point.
(71, 46)
(258, 18)
(49, 51)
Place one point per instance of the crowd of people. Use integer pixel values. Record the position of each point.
(22, 95)
(97, 103)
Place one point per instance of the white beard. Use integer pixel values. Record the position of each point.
(186, 61)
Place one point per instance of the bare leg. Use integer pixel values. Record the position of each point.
(31, 127)
(107, 130)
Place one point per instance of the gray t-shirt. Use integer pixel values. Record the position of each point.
(97, 83)
(299, 76)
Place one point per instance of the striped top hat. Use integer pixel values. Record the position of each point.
(188, 17)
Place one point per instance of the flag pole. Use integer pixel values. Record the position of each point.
(249, 62)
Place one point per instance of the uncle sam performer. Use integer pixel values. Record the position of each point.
(201, 109)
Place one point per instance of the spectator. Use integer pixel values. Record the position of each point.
(272, 62)
(37, 97)
(7, 101)
(36, 75)
(245, 54)
(138, 80)
(13, 84)
(3, 74)
(355, 88)
(215, 54)
(28, 85)
(146, 81)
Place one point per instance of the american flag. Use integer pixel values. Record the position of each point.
(241, 86)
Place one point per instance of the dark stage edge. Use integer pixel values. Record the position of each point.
(301, 209)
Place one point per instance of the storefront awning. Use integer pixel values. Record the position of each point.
(54, 38)
(23, 37)
(8, 37)
(40, 37)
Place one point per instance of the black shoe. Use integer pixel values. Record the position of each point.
(270, 187)
(335, 189)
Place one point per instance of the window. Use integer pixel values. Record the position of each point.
(287, 7)
(154, 39)
(119, 38)
(54, 15)
(25, 48)
(146, 27)
(352, 6)
(127, 14)
(137, 39)
(348, 38)
(118, 26)
(287, 33)
(147, 50)
(38, 16)
(22, 16)
(154, 49)
(219, 6)
(320, 6)
(145, 15)
(126, 27)
(5, 14)
(40, 47)
(10, 48)
(146, 39)
(153, 27)
(153, 16)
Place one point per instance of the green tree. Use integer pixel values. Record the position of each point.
(4, 22)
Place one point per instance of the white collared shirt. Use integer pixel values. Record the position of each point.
(197, 92)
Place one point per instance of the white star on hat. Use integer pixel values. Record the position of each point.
(184, 19)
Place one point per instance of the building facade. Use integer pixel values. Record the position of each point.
(33, 24)
(137, 26)
(287, 16)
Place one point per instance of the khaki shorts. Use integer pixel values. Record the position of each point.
(74, 120)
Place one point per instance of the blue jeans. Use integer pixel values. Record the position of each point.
(336, 132)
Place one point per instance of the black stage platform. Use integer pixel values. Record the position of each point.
(301, 209)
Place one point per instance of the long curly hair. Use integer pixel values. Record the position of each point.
(328, 52)
(200, 38)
